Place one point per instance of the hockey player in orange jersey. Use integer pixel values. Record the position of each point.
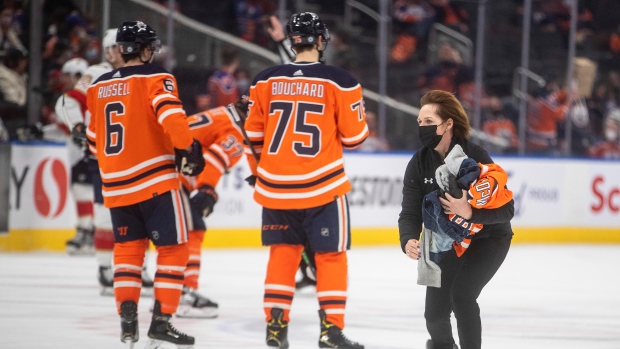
(222, 147)
(139, 133)
(303, 114)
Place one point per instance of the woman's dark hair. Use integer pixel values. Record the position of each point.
(448, 107)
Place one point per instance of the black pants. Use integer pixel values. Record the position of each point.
(462, 280)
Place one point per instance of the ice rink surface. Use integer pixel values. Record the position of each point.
(544, 296)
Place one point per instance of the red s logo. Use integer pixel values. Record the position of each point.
(50, 187)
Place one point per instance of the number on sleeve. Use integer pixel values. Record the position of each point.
(200, 120)
(359, 106)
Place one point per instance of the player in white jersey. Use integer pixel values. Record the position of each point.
(70, 108)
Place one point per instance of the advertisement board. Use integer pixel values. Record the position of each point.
(39, 195)
(554, 198)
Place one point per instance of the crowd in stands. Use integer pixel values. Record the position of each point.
(594, 115)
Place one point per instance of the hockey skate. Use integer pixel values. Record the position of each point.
(195, 305)
(129, 323)
(429, 345)
(82, 243)
(106, 281)
(277, 330)
(332, 336)
(162, 331)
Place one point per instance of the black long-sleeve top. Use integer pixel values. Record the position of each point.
(420, 180)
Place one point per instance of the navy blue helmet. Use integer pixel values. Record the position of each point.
(131, 37)
(305, 28)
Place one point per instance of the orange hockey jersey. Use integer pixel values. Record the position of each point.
(222, 145)
(301, 116)
(137, 121)
(489, 191)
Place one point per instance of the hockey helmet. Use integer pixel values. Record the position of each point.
(305, 28)
(131, 37)
(74, 66)
(109, 38)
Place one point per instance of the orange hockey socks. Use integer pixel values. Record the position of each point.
(128, 260)
(192, 272)
(171, 263)
(331, 287)
(280, 280)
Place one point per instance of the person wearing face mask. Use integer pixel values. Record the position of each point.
(443, 124)
(609, 147)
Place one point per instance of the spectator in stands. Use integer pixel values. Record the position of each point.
(222, 86)
(373, 142)
(412, 22)
(342, 53)
(13, 88)
(451, 14)
(243, 79)
(8, 37)
(252, 17)
(497, 124)
(13, 77)
(544, 112)
(449, 74)
(609, 147)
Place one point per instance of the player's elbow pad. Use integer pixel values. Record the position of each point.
(191, 162)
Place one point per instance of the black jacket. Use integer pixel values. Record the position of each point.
(420, 180)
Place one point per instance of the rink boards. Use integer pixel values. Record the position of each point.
(556, 200)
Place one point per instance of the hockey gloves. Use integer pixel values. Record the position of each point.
(251, 180)
(190, 163)
(204, 199)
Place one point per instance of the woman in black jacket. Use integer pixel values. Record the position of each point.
(443, 124)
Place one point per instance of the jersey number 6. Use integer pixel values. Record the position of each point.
(301, 127)
(114, 131)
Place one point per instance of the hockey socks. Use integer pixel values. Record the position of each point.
(171, 263)
(331, 287)
(280, 279)
(128, 261)
(192, 272)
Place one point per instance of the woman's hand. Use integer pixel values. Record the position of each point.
(457, 206)
(412, 249)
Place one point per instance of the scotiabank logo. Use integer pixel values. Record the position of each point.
(606, 197)
(50, 187)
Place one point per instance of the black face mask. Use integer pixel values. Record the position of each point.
(428, 135)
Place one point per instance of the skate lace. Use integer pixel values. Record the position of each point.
(174, 330)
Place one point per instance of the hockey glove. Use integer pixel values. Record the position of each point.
(191, 162)
(78, 134)
(204, 200)
(251, 180)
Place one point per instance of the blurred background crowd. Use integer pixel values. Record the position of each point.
(431, 46)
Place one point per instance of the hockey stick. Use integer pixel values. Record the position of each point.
(237, 120)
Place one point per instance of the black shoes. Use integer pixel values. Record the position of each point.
(277, 330)
(332, 336)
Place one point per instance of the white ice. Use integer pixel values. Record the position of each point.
(544, 296)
